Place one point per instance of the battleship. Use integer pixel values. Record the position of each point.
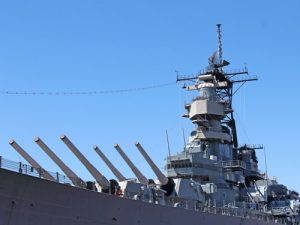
(212, 181)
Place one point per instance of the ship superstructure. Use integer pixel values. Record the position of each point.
(212, 156)
(211, 181)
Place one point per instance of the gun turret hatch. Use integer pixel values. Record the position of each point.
(100, 179)
(160, 176)
(115, 171)
(135, 170)
(69, 173)
(42, 172)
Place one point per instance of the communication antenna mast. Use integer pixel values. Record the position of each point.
(215, 69)
(219, 43)
(183, 136)
(167, 136)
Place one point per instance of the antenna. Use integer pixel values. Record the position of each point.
(167, 136)
(177, 75)
(183, 136)
(219, 43)
(266, 165)
(266, 168)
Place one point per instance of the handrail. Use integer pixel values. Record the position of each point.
(234, 163)
(211, 98)
(31, 171)
(210, 129)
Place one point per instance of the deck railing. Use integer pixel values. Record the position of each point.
(244, 213)
(31, 171)
(234, 164)
(211, 98)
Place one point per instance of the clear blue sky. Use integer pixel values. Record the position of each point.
(107, 45)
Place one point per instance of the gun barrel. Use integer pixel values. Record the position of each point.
(69, 173)
(42, 172)
(160, 176)
(115, 171)
(135, 170)
(104, 183)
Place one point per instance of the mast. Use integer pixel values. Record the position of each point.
(219, 43)
(211, 111)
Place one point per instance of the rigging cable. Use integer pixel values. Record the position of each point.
(97, 92)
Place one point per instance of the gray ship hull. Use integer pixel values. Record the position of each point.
(26, 200)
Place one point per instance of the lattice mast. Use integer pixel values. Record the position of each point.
(219, 43)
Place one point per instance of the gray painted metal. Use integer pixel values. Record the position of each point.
(160, 176)
(32, 162)
(134, 169)
(115, 171)
(69, 173)
(50, 203)
(100, 179)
